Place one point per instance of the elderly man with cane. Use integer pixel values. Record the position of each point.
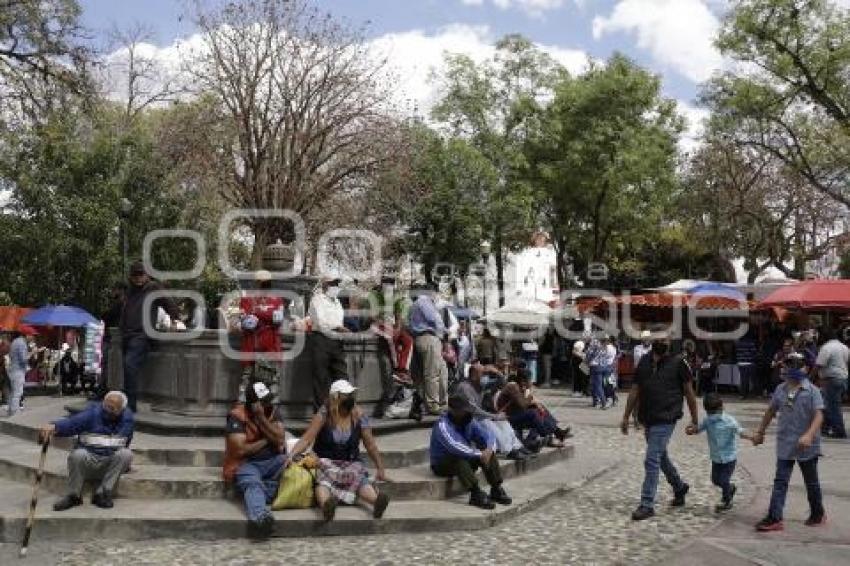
(101, 452)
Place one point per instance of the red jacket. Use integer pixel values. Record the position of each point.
(265, 338)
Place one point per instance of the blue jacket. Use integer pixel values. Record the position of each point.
(449, 440)
(97, 431)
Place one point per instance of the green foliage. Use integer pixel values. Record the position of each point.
(604, 156)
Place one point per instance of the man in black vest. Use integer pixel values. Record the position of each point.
(662, 382)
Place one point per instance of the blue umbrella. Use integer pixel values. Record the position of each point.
(59, 315)
(717, 290)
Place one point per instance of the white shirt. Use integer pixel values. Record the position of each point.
(639, 352)
(832, 360)
(325, 313)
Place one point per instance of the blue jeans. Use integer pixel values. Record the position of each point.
(597, 383)
(258, 481)
(657, 439)
(746, 372)
(135, 350)
(833, 392)
(780, 487)
(721, 476)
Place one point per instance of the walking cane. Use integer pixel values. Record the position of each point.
(34, 501)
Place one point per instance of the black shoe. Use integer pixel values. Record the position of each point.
(67, 502)
(379, 411)
(262, 528)
(679, 496)
(102, 499)
(527, 453)
(642, 513)
(480, 499)
(816, 520)
(380, 505)
(563, 433)
(534, 445)
(498, 495)
(723, 506)
(518, 455)
(733, 489)
(329, 509)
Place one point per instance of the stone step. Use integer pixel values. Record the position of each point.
(399, 448)
(19, 461)
(205, 519)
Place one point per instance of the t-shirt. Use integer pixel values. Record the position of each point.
(832, 360)
(796, 409)
(236, 426)
(723, 432)
(662, 389)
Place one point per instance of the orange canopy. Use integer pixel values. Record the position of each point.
(10, 317)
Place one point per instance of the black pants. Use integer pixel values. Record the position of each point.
(385, 367)
(135, 348)
(721, 476)
(464, 470)
(329, 364)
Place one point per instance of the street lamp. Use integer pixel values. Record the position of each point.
(485, 255)
(126, 207)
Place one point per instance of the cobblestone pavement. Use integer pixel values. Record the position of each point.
(590, 525)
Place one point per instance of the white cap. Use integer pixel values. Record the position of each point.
(342, 386)
(261, 390)
(645, 335)
(262, 276)
(65, 347)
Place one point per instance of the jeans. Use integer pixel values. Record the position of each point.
(833, 392)
(135, 350)
(746, 372)
(780, 487)
(464, 470)
(258, 481)
(721, 476)
(597, 384)
(16, 389)
(657, 439)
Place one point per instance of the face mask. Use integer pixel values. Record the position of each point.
(333, 292)
(795, 375)
(347, 404)
(660, 348)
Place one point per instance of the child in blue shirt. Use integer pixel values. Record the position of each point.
(723, 432)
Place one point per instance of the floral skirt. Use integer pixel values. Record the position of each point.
(343, 478)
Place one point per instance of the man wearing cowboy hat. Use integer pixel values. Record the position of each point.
(326, 318)
(103, 432)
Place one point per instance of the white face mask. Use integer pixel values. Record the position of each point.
(332, 292)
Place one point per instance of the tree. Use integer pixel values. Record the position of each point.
(494, 105)
(604, 155)
(790, 93)
(744, 201)
(299, 108)
(42, 55)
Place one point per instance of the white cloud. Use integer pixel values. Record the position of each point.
(678, 33)
(534, 8)
(696, 117)
(472, 2)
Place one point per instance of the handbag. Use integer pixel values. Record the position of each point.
(296, 488)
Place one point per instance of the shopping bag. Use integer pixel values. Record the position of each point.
(296, 488)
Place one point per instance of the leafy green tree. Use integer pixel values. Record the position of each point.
(604, 155)
(495, 105)
(790, 93)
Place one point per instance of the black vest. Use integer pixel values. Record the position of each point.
(662, 389)
(326, 447)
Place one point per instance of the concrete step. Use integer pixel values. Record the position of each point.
(19, 461)
(206, 519)
(399, 448)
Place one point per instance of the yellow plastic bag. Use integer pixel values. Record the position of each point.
(296, 489)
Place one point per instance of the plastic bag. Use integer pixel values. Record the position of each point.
(296, 488)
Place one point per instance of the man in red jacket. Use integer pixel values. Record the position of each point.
(262, 316)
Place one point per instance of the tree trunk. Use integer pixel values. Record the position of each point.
(500, 267)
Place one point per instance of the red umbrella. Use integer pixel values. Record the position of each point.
(815, 294)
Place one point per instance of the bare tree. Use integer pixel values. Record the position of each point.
(300, 104)
(141, 78)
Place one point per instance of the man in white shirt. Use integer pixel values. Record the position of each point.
(831, 365)
(328, 358)
(643, 348)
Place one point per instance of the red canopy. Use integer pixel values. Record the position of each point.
(10, 317)
(669, 301)
(815, 294)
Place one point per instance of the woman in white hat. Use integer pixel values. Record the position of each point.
(336, 432)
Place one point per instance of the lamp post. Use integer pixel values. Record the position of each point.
(123, 215)
(485, 255)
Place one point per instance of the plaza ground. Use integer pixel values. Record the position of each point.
(588, 524)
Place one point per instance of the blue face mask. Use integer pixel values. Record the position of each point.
(796, 375)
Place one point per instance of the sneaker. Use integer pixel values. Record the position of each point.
(262, 528)
(723, 506)
(642, 513)
(769, 524)
(527, 453)
(102, 499)
(498, 495)
(478, 498)
(577, 394)
(679, 497)
(563, 433)
(329, 510)
(67, 502)
(813, 521)
(381, 504)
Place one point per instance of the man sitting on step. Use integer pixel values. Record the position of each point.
(101, 452)
(459, 446)
(253, 455)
